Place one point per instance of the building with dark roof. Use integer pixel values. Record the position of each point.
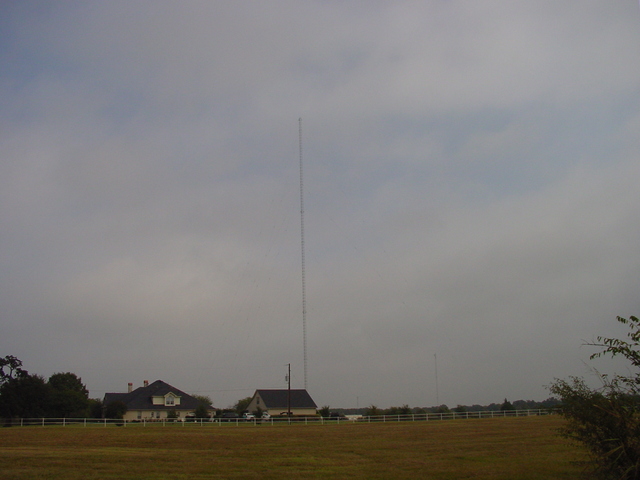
(277, 402)
(155, 401)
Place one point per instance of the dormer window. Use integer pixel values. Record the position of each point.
(169, 400)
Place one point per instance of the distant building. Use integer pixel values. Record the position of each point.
(155, 401)
(276, 402)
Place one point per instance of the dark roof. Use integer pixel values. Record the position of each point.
(278, 398)
(112, 397)
(140, 398)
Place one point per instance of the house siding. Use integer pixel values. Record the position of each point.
(150, 402)
(274, 402)
(153, 414)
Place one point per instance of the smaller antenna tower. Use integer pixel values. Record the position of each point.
(289, 390)
(435, 359)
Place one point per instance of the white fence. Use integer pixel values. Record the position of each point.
(315, 420)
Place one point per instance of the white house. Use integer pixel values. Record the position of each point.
(155, 401)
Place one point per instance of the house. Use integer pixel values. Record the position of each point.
(155, 401)
(277, 402)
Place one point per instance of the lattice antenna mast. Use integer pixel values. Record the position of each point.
(304, 292)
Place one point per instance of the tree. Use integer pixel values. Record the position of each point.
(201, 411)
(442, 409)
(372, 411)
(629, 350)
(21, 394)
(204, 405)
(115, 409)
(69, 396)
(10, 368)
(607, 421)
(325, 411)
(241, 405)
(95, 408)
(25, 396)
(506, 406)
(203, 400)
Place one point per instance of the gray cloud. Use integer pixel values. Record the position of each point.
(469, 193)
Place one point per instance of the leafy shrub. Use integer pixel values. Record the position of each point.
(607, 421)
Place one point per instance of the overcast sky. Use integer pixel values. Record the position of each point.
(470, 189)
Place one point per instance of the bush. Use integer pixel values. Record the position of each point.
(607, 421)
(201, 411)
(172, 414)
(115, 409)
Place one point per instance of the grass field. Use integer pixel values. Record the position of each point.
(501, 448)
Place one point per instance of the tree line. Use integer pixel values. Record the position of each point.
(25, 395)
(373, 410)
(62, 395)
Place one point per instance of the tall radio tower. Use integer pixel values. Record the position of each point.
(304, 293)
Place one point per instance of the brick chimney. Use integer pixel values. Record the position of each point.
(146, 383)
(130, 387)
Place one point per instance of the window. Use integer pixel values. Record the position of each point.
(169, 400)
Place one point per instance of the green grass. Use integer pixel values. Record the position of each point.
(504, 448)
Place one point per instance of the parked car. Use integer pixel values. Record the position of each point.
(229, 417)
(248, 416)
(337, 416)
(266, 416)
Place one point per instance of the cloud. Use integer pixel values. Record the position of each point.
(468, 194)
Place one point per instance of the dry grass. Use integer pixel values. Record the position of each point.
(505, 448)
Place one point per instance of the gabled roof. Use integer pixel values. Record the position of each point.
(141, 398)
(300, 398)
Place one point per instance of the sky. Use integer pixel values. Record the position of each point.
(471, 208)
